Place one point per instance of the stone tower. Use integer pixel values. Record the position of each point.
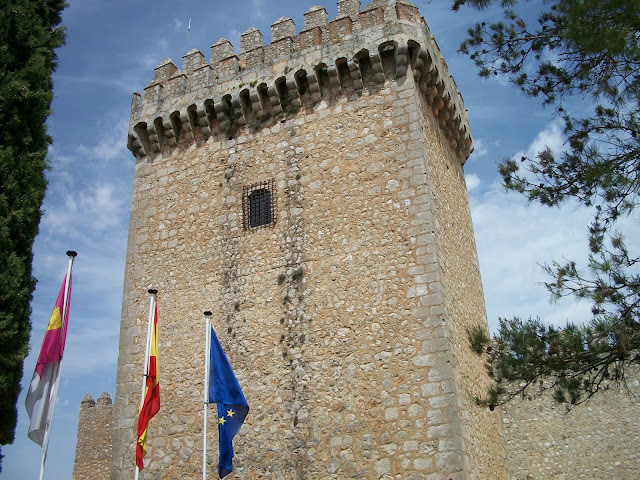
(93, 448)
(310, 192)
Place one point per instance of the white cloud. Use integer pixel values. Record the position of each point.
(88, 213)
(473, 181)
(149, 61)
(110, 146)
(479, 148)
(513, 240)
(551, 137)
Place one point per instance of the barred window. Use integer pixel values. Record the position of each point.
(258, 204)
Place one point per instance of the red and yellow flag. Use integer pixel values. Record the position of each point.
(151, 403)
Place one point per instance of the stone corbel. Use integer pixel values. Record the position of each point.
(376, 66)
(402, 60)
(274, 100)
(334, 80)
(355, 74)
(293, 94)
(143, 136)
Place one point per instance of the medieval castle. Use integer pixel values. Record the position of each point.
(310, 192)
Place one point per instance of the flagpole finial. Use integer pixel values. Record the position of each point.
(71, 253)
(152, 291)
(207, 313)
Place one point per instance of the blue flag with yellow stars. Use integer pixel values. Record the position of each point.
(225, 392)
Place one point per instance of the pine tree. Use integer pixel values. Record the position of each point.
(585, 53)
(30, 31)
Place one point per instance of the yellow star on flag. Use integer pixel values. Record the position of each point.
(221, 420)
(231, 413)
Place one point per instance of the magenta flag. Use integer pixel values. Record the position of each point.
(39, 401)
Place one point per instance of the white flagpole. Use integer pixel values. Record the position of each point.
(145, 373)
(188, 34)
(54, 390)
(207, 316)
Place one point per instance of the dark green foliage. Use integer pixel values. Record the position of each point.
(575, 362)
(588, 52)
(479, 339)
(29, 33)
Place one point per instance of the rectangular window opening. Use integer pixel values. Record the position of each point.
(259, 204)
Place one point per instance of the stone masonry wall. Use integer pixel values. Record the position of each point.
(448, 239)
(342, 318)
(599, 440)
(93, 448)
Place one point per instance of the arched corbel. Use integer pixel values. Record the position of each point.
(302, 85)
(334, 80)
(202, 122)
(275, 107)
(247, 108)
(154, 142)
(376, 67)
(292, 93)
(238, 112)
(354, 73)
(283, 93)
(134, 145)
(143, 136)
(265, 101)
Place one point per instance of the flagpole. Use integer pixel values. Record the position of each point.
(54, 391)
(207, 316)
(145, 367)
(188, 34)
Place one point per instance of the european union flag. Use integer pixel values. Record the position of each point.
(225, 392)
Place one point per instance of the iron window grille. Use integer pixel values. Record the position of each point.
(259, 204)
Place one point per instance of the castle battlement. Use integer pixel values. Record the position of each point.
(93, 448)
(359, 49)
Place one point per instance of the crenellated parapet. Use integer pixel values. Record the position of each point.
(386, 41)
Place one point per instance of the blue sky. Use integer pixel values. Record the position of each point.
(111, 50)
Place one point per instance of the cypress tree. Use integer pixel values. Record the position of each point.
(30, 31)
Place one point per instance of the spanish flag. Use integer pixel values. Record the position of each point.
(41, 396)
(151, 403)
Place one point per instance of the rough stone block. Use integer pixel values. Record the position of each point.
(315, 17)
(220, 50)
(284, 27)
(250, 40)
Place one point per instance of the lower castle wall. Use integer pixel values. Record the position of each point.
(596, 441)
